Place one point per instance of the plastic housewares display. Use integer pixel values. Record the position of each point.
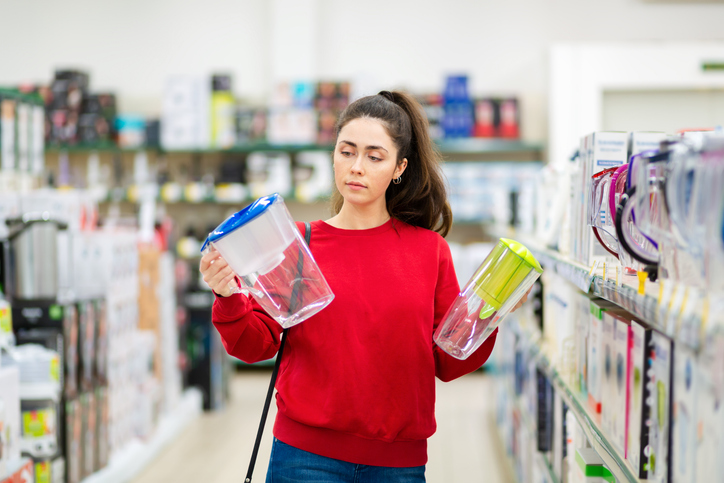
(263, 246)
(505, 276)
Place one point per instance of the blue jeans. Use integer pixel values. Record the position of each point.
(289, 464)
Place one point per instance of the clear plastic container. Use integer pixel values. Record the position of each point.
(263, 246)
(505, 276)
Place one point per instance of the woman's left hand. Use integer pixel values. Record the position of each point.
(521, 301)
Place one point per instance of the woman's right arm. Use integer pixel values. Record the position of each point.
(246, 330)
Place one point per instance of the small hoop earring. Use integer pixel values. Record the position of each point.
(397, 180)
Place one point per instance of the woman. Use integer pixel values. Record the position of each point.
(356, 387)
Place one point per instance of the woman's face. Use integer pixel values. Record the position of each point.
(365, 162)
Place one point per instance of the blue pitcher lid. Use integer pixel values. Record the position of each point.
(241, 218)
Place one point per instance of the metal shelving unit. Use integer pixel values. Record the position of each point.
(614, 461)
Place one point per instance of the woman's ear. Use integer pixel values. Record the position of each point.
(400, 168)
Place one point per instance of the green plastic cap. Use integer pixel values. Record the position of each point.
(523, 253)
(505, 268)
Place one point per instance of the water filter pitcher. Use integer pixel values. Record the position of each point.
(505, 276)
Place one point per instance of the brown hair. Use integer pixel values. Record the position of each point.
(420, 199)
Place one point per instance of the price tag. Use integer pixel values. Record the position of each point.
(642, 282)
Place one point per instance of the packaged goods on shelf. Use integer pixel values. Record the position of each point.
(600, 332)
(658, 377)
(559, 317)
(269, 173)
(223, 133)
(492, 192)
(10, 397)
(313, 175)
(684, 417)
(432, 106)
(598, 151)
(710, 412)
(497, 118)
(185, 113)
(458, 119)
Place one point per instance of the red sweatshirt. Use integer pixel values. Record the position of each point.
(357, 380)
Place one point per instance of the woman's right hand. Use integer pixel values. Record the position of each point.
(217, 273)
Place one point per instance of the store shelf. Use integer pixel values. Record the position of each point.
(482, 145)
(653, 304)
(614, 461)
(457, 146)
(130, 461)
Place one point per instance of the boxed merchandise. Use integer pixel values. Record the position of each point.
(7, 338)
(458, 121)
(621, 389)
(509, 121)
(544, 413)
(88, 433)
(710, 411)
(604, 150)
(101, 436)
(638, 437)
(607, 396)
(615, 386)
(582, 309)
(313, 175)
(269, 173)
(598, 331)
(487, 116)
(657, 400)
(640, 141)
(222, 112)
(73, 430)
(185, 119)
(87, 339)
(8, 106)
(292, 126)
(684, 417)
(10, 396)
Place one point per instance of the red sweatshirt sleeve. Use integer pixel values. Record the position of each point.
(448, 367)
(247, 331)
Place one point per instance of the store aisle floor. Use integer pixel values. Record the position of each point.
(216, 447)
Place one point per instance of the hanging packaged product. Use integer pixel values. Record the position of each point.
(505, 276)
(263, 246)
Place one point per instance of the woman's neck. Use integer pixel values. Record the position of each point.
(351, 217)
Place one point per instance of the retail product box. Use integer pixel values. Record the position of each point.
(7, 338)
(684, 417)
(269, 173)
(582, 303)
(560, 411)
(73, 430)
(487, 118)
(615, 388)
(185, 118)
(8, 150)
(544, 413)
(50, 470)
(598, 334)
(10, 397)
(101, 436)
(292, 126)
(606, 150)
(223, 133)
(87, 347)
(37, 148)
(20, 471)
(639, 391)
(88, 433)
(640, 141)
(710, 411)
(608, 376)
(655, 459)
(559, 312)
(313, 175)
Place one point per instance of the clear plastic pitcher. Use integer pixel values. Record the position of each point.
(505, 276)
(263, 246)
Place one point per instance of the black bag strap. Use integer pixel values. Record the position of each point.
(272, 383)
